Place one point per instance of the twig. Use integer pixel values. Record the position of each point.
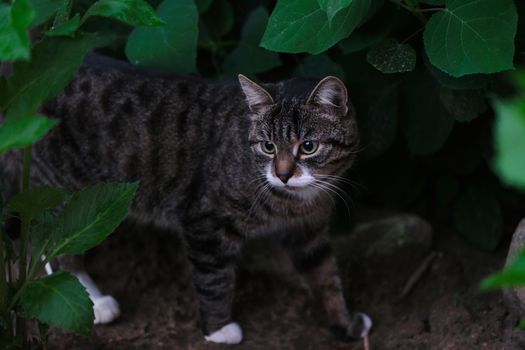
(416, 276)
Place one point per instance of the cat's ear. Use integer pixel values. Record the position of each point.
(330, 92)
(257, 97)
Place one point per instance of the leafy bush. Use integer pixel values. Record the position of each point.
(88, 216)
(419, 73)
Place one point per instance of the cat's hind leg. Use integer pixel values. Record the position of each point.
(105, 307)
(311, 254)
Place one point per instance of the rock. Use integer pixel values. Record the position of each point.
(515, 297)
(395, 245)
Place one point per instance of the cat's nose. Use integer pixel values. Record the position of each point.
(284, 177)
(284, 167)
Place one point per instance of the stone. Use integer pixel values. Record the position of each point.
(515, 297)
(394, 245)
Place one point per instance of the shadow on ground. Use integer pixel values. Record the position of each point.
(147, 272)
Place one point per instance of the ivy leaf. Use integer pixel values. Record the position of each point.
(60, 300)
(248, 57)
(512, 275)
(478, 218)
(90, 216)
(472, 36)
(302, 26)
(331, 7)
(172, 47)
(68, 28)
(134, 12)
(37, 200)
(23, 132)
(465, 105)
(510, 141)
(55, 62)
(14, 24)
(426, 123)
(318, 67)
(392, 57)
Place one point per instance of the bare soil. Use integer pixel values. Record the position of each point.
(149, 275)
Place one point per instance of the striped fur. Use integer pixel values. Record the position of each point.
(190, 143)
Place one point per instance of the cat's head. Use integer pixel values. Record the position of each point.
(302, 134)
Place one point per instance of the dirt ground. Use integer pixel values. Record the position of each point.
(147, 272)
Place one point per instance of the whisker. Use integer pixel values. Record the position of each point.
(354, 184)
(258, 194)
(335, 190)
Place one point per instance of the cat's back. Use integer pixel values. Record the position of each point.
(120, 123)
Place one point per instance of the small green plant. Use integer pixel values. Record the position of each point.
(53, 222)
(510, 165)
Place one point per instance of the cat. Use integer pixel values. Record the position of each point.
(220, 162)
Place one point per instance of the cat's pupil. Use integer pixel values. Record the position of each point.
(308, 146)
(268, 147)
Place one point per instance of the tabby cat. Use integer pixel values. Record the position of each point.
(220, 162)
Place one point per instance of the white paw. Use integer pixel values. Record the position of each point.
(106, 309)
(229, 334)
(367, 322)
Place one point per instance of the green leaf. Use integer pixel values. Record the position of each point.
(41, 232)
(23, 132)
(471, 81)
(426, 123)
(373, 32)
(392, 57)
(513, 275)
(134, 12)
(465, 105)
(14, 24)
(248, 57)
(91, 216)
(66, 29)
(332, 7)
(203, 5)
(45, 9)
(172, 47)
(37, 200)
(472, 36)
(318, 67)
(510, 141)
(301, 26)
(55, 62)
(478, 218)
(59, 300)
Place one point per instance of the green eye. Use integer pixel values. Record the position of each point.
(268, 147)
(309, 147)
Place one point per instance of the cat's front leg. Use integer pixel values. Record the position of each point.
(105, 307)
(311, 254)
(214, 258)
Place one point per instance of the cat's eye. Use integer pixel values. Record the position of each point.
(309, 147)
(268, 147)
